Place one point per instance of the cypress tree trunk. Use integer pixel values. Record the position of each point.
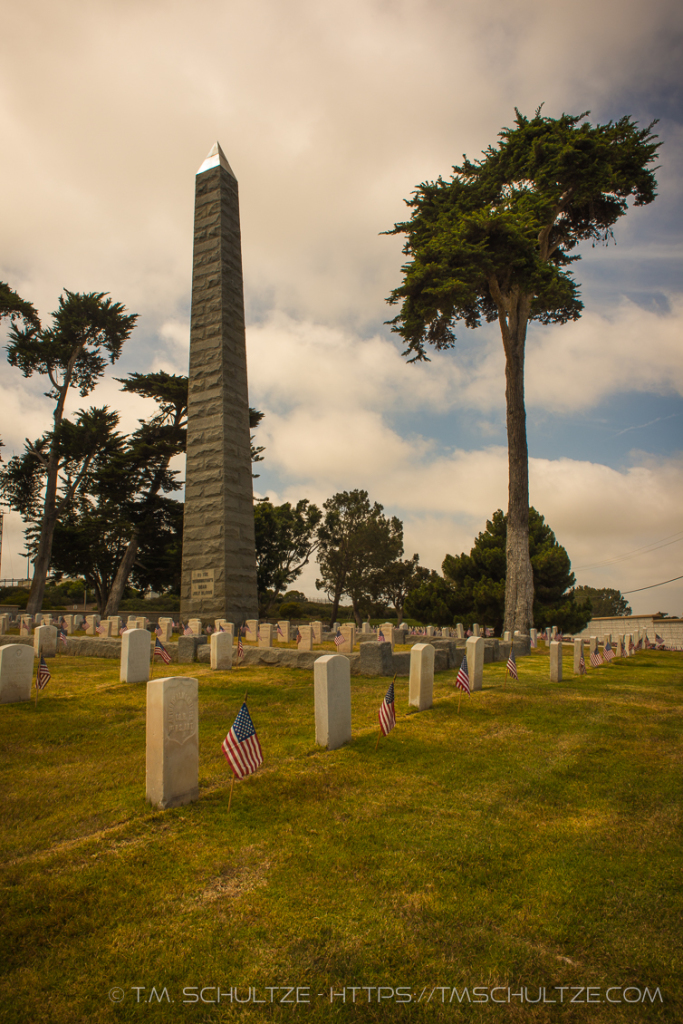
(123, 572)
(41, 563)
(513, 316)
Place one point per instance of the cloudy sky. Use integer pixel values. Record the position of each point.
(330, 115)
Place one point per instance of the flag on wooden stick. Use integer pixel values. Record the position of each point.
(387, 711)
(241, 746)
(462, 680)
(161, 652)
(43, 677)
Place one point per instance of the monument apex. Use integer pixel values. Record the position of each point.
(219, 557)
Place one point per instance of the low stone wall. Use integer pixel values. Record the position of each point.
(372, 659)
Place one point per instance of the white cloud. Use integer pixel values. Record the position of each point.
(575, 366)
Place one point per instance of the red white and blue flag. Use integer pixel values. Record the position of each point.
(582, 665)
(161, 652)
(338, 639)
(609, 652)
(187, 631)
(380, 637)
(43, 677)
(596, 658)
(241, 746)
(279, 631)
(387, 712)
(240, 647)
(462, 679)
(62, 636)
(512, 664)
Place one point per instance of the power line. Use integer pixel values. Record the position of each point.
(629, 554)
(652, 585)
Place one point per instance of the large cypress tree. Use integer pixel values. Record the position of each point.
(495, 243)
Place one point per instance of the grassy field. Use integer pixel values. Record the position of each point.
(531, 840)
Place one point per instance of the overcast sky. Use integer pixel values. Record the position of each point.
(330, 115)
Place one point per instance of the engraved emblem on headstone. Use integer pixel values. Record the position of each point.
(180, 716)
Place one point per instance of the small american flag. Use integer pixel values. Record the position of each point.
(101, 628)
(240, 647)
(387, 712)
(609, 653)
(582, 666)
(298, 638)
(241, 745)
(279, 631)
(122, 630)
(488, 632)
(596, 658)
(62, 636)
(380, 637)
(338, 640)
(43, 677)
(468, 632)
(157, 630)
(512, 664)
(463, 680)
(187, 631)
(161, 652)
(209, 630)
(220, 629)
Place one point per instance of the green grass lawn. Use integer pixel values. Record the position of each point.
(529, 841)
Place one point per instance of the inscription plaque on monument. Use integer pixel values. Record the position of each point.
(202, 583)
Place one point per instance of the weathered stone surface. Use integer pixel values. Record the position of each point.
(172, 776)
(349, 635)
(421, 685)
(265, 634)
(400, 662)
(45, 641)
(475, 648)
(16, 673)
(187, 648)
(306, 638)
(578, 655)
(332, 689)
(136, 653)
(218, 531)
(285, 634)
(375, 659)
(220, 650)
(555, 662)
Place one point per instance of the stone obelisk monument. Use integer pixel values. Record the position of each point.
(219, 559)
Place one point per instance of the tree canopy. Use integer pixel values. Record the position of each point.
(87, 331)
(285, 540)
(355, 540)
(478, 579)
(604, 601)
(496, 243)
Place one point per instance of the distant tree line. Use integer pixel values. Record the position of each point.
(98, 505)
